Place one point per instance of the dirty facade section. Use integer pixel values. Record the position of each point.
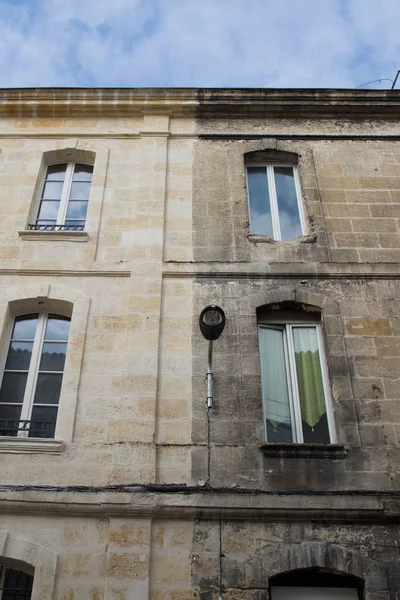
(124, 214)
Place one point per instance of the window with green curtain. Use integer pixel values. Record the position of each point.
(293, 388)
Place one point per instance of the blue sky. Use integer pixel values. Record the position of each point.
(199, 43)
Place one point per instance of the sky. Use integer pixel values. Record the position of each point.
(199, 43)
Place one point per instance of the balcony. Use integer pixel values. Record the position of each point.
(54, 227)
(34, 429)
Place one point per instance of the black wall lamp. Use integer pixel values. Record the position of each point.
(212, 323)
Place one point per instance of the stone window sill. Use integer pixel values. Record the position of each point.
(22, 445)
(65, 236)
(332, 451)
(256, 238)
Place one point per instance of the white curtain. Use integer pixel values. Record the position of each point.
(273, 377)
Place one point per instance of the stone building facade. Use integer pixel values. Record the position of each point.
(123, 214)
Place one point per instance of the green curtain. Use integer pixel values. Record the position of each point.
(309, 375)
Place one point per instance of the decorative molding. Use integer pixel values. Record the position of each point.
(257, 238)
(331, 451)
(150, 133)
(164, 501)
(25, 445)
(54, 236)
(63, 273)
(102, 102)
(293, 136)
(303, 271)
(200, 102)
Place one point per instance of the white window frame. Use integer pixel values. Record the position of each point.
(64, 200)
(276, 227)
(33, 372)
(292, 384)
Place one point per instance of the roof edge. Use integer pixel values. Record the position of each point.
(203, 102)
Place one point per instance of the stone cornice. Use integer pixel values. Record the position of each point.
(301, 270)
(299, 103)
(21, 445)
(167, 501)
(64, 273)
(96, 102)
(202, 102)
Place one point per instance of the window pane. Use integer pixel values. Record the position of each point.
(13, 387)
(19, 356)
(52, 190)
(17, 585)
(75, 222)
(83, 173)
(43, 421)
(56, 172)
(48, 209)
(48, 388)
(260, 210)
(274, 385)
(57, 328)
(288, 208)
(53, 356)
(46, 223)
(9, 419)
(77, 210)
(25, 327)
(79, 190)
(310, 385)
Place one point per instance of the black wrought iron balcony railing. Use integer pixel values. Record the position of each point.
(41, 429)
(54, 227)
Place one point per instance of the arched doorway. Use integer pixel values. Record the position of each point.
(316, 584)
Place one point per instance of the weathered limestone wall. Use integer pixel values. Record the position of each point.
(167, 234)
(254, 552)
(89, 558)
(350, 191)
(360, 327)
(129, 352)
(103, 558)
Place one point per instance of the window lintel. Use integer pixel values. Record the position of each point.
(271, 157)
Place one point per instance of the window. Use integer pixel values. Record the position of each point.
(274, 201)
(33, 372)
(64, 198)
(14, 584)
(294, 380)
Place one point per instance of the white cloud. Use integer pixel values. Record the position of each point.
(284, 43)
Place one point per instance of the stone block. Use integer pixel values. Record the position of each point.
(127, 534)
(367, 326)
(356, 240)
(384, 225)
(348, 210)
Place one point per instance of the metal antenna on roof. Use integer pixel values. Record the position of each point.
(382, 79)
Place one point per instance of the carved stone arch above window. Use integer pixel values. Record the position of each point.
(271, 156)
(329, 558)
(296, 293)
